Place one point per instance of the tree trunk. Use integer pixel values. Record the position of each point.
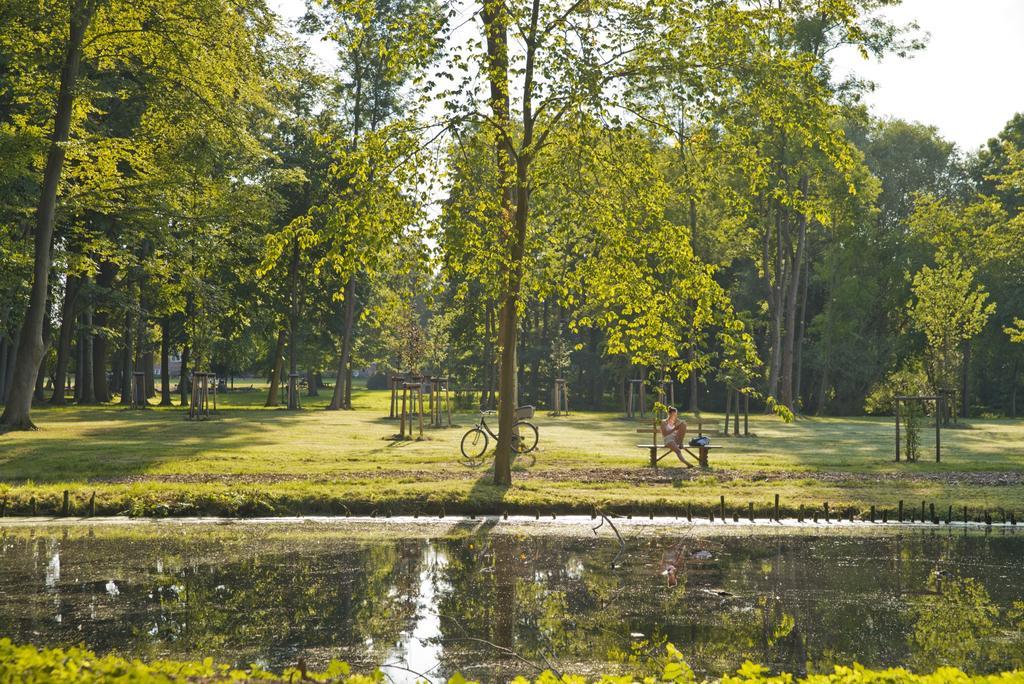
(165, 361)
(183, 387)
(12, 358)
(127, 359)
(72, 286)
(276, 369)
(149, 368)
(338, 399)
(775, 305)
(965, 403)
(792, 290)
(88, 393)
(348, 385)
(293, 324)
(1013, 389)
(100, 349)
(100, 346)
(5, 350)
(799, 370)
(17, 411)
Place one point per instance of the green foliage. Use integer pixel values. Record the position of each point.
(950, 309)
(29, 665)
(911, 379)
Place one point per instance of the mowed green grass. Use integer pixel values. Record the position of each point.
(252, 460)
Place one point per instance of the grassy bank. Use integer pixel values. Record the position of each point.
(255, 461)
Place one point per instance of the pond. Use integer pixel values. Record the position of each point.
(489, 600)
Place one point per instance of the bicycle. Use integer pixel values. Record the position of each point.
(524, 439)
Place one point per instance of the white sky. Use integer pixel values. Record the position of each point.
(967, 82)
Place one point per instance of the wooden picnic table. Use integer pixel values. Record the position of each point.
(701, 456)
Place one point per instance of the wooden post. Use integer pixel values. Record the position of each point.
(405, 392)
(92, 505)
(736, 417)
(938, 430)
(66, 507)
(32, 505)
(643, 398)
(689, 512)
(721, 508)
(3, 508)
(750, 510)
(776, 508)
(872, 513)
(447, 403)
(421, 409)
(800, 513)
(931, 511)
(826, 512)
(900, 509)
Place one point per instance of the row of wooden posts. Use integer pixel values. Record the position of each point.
(202, 398)
(407, 401)
(902, 513)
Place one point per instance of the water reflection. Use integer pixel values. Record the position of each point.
(493, 604)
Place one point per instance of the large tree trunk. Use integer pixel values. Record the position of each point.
(792, 290)
(100, 349)
(798, 371)
(17, 411)
(88, 393)
(100, 344)
(149, 368)
(965, 402)
(276, 369)
(12, 358)
(775, 306)
(183, 387)
(338, 399)
(127, 365)
(293, 324)
(5, 350)
(165, 361)
(72, 286)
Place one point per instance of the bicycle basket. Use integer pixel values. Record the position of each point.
(524, 413)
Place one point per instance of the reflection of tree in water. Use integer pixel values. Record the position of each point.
(957, 624)
(230, 601)
(547, 600)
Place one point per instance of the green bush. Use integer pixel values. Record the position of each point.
(29, 665)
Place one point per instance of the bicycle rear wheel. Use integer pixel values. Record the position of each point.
(473, 447)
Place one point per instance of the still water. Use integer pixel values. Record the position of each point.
(492, 602)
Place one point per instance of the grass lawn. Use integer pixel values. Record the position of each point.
(255, 461)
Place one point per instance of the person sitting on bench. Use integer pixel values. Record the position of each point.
(673, 430)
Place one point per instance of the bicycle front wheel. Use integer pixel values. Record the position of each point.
(527, 437)
(474, 446)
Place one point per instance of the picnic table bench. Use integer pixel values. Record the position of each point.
(701, 456)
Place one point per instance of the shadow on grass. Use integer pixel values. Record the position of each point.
(122, 442)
